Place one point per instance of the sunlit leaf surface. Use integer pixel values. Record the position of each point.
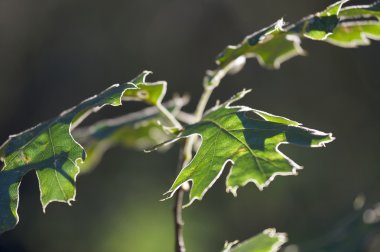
(230, 135)
(139, 130)
(52, 152)
(267, 241)
(342, 26)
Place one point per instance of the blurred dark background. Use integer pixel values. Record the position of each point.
(55, 53)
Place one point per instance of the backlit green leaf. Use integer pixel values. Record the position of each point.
(151, 93)
(138, 130)
(372, 10)
(354, 34)
(267, 241)
(230, 135)
(280, 42)
(50, 149)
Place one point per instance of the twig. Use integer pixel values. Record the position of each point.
(186, 154)
(169, 116)
(179, 241)
(185, 117)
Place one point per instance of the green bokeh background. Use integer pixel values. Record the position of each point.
(55, 53)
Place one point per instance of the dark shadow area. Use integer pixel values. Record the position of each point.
(55, 54)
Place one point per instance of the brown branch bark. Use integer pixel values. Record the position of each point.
(178, 221)
(179, 242)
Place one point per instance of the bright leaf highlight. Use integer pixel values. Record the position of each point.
(229, 135)
(50, 149)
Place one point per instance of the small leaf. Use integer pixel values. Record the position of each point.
(354, 34)
(267, 241)
(229, 135)
(151, 93)
(50, 149)
(271, 46)
(138, 130)
(278, 43)
(372, 10)
(320, 25)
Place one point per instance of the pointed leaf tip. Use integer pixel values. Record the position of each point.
(249, 144)
(279, 42)
(50, 149)
(268, 241)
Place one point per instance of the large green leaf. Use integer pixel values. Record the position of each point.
(267, 241)
(229, 135)
(138, 130)
(50, 149)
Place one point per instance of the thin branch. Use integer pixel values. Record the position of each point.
(185, 117)
(186, 154)
(169, 116)
(179, 243)
(203, 102)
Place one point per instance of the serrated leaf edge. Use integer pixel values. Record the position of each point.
(299, 51)
(234, 189)
(366, 38)
(93, 110)
(156, 83)
(364, 6)
(282, 238)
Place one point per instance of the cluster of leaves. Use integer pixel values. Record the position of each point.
(250, 144)
(246, 138)
(254, 155)
(139, 130)
(50, 149)
(348, 27)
